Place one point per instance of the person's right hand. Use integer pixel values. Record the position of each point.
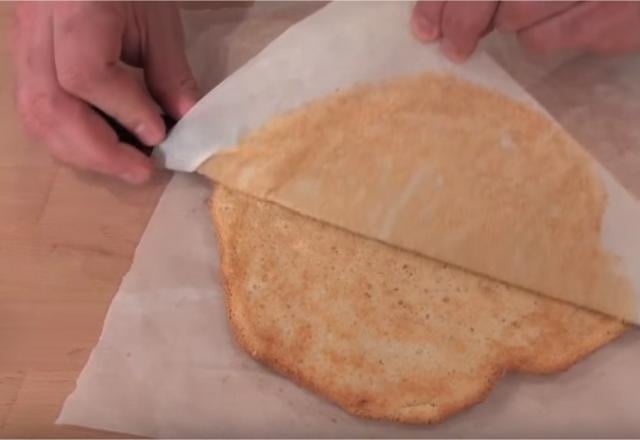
(70, 56)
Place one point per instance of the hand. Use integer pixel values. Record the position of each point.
(542, 26)
(609, 28)
(459, 25)
(72, 55)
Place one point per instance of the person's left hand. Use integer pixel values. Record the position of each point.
(74, 57)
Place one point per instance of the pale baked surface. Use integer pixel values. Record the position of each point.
(451, 170)
(384, 333)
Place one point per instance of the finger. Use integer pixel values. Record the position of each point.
(73, 133)
(89, 143)
(87, 39)
(37, 92)
(463, 24)
(515, 16)
(166, 67)
(569, 30)
(617, 29)
(425, 20)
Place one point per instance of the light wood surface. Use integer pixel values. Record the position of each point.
(66, 239)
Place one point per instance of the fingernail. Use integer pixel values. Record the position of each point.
(423, 29)
(450, 51)
(149, 134)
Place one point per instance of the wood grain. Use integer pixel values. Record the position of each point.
(66, 240)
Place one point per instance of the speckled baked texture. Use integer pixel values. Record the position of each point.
(384, 333)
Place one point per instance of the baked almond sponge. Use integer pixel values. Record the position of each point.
(384, 333)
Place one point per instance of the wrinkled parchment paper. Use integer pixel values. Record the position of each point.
(166, 364)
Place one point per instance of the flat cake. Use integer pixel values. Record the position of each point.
(382, 332)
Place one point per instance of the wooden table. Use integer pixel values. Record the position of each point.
(66, 239)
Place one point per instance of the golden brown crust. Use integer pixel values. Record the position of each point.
(543, 337)
(438, 165)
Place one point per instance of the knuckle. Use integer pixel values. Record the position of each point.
(72, 78)
(78, 77)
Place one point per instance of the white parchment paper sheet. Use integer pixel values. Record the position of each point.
(166, 364)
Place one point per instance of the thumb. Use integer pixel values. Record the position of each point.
(167, 70)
